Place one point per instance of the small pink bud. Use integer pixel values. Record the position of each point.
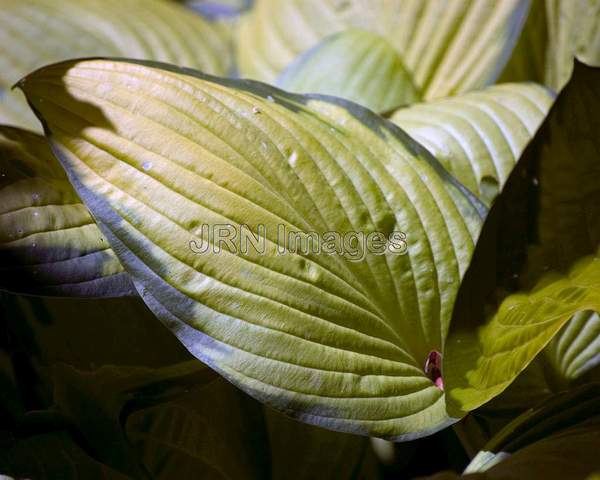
(433, 368)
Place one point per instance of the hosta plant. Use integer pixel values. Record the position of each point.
(393, 237)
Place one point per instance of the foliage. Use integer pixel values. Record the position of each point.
(410, 206)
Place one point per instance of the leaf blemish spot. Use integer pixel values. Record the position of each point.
(433, 368)
(147, 165)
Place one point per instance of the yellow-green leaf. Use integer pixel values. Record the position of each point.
(49, 243)
(34, 33)
(355, 64)
(479, 136)
(538, 255)
(339, 340)
(448, 48)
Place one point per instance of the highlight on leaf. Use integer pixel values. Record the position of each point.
(479, 136)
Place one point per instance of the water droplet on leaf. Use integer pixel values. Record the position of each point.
(293, 159)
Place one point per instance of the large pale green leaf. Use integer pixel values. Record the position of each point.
(328, 338)
(49, 243)
(479, 136)
(355, 64)
(447, 47)
(541, 242)
(34, 33)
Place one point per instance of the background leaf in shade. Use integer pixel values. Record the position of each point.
(555, 440)
(354, 64)
(180, 418)
(50, 456)
(479, 136)
(34, 33)
(96, 402)
(212, 431)
(575, 351)
(303, 452)
(49, 243)
(545, 221)
(201, 150)
(447, 49)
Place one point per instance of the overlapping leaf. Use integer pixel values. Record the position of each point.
(555, 33)
(447, 48)
(34, 33)
(357, 65)
(575, 351)
(97, 402)
(479, 136)
(573, 30)
(541, 241)
(49, 243)
(557, 439)
(332, 340)
(51, 455)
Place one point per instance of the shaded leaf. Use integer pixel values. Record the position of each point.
(212, 431)
(479, 136)
(528, 59)
(358, 65)
(34, 33)
(575, 350)
(303, 452)
(556, 440)
(541, 241)
(49, 243)
(203, 151)
(96, 403)
(50, 456)
(448, 49)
